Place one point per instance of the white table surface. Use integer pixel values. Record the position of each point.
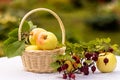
(12, 69)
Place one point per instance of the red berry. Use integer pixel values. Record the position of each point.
(81, 69)
(59, 69)
(64, 66)
(110, 50)
(77, 61)
(73, 76)
(74, 57)
(64, 76)
(93, 68)
(85, 70)
(106, 61)
(69, 74)
(95, 58)
(96, 54)
(88, 55)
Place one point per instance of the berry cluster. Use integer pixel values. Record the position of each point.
(79, 65)
(82, 58)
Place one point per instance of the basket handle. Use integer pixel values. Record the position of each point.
(42, 9)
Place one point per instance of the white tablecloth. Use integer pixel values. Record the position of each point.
(12, 69)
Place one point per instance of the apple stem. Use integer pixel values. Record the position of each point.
(45, 37)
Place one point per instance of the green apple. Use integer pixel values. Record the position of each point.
(111, 62)
(34, 33)
(46, 41)
(31, 47)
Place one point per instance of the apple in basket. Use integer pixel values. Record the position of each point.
(31, 47)
(46, 41)
(106, 62)
(34, 33)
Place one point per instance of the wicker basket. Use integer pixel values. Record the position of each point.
(39, 60)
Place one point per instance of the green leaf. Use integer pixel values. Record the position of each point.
(107, 40)
(15, 49)
(115, 47)
(31, 25)
(25, 27)
(14, 33)
(55, 65)
(9, 41)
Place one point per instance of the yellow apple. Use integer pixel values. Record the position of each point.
(46, 41)
(110, 65)
(31, 47)
(34, 33)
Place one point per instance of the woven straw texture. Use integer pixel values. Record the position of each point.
(39, 60)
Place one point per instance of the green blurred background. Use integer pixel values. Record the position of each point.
(84, 20)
